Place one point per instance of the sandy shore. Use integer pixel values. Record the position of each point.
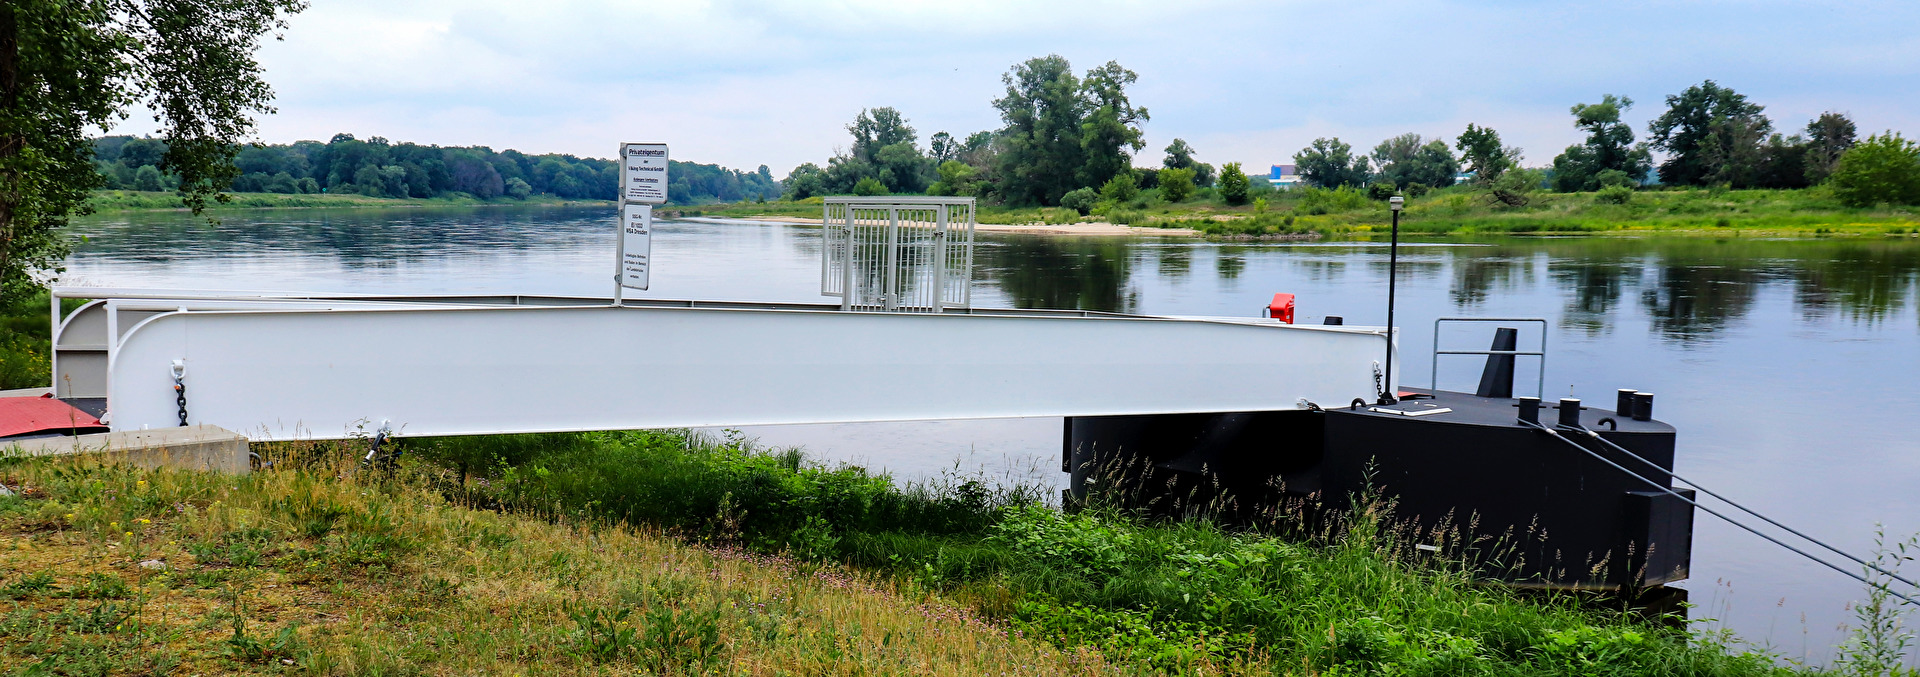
(1093, 229)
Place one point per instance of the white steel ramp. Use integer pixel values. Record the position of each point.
(280, 367)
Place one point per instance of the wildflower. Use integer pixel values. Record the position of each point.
(69, 515)
(129, 534)
(115, 525)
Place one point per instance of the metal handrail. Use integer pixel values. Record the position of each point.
(1433, 378)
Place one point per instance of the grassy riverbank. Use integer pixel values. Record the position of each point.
(1463, 210)
(132, 200)
(653, 552)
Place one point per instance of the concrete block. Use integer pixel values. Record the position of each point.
(194, 447)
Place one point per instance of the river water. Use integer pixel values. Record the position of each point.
(1790, 367)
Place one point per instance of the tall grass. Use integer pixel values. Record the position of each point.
(313, 567)
(1184, 596)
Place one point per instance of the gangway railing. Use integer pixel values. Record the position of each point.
(1433, 379)
(898, 254)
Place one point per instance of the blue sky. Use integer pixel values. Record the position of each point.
(744, 83)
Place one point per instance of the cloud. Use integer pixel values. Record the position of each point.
(747, 82)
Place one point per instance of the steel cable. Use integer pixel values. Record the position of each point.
(1670, 492)
(1745, 509)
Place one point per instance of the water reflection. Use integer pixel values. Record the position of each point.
(1029, 271)
(1689, 290)
(1594, 291)
(1479, 271)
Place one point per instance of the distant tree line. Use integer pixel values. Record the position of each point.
(1066, 139)
(1709, 135)
(377, 167)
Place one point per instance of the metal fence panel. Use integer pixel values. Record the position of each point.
(898, 254)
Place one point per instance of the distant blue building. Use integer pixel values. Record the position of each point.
(1283, 176)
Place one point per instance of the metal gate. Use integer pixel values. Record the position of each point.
(902, 254)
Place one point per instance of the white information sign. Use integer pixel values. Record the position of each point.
(643, 173)
(636, 244)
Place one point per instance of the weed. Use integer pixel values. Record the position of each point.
(101, 586)
(681, 639)
(604, 635)
(1880, 642)
(27, 585)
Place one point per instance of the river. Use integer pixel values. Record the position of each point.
(1790, 367)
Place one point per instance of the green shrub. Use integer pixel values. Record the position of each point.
(1885, 168)
(1080, 200)
(1515, 188)
(1613, 195)
(1233, 184)
(869, 187)
(1610, 178)
(1330, 200)
(1176, 185)
(1122, 188)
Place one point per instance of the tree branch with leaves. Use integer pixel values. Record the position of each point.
(68, 68)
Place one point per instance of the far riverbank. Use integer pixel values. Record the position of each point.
(1280, 214)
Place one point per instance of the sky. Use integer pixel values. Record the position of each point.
(743, 83)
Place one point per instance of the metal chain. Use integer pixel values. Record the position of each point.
(180, 389)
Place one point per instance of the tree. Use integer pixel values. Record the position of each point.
(1042, 110)
(1484, 156)
(901, 168)
(1783, 163)
(1176, 185)
(1609, 146)
(518, 189)
(1409, 159)
(884, 149)
(147, 178)
(1885, 168)
(1233, 184)
(1828, 136)
(956, 178)
(71, 66)
(1180, 156)
(1112, 126)
(941, 147)
(1711, 134)
(877, 128)
(1330, 163)
(1062, 132)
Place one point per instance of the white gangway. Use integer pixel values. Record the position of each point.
(286, 366)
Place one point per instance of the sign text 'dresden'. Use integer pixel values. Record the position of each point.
(636, 244)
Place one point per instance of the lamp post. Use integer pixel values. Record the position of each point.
(1388, 393)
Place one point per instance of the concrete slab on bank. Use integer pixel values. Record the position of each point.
(194, 447)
